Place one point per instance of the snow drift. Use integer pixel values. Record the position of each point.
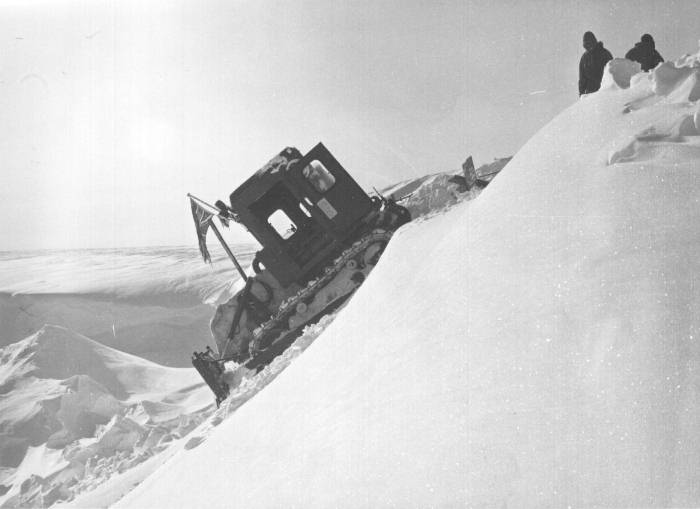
(438, 192)
(537, 348)
(70, 406)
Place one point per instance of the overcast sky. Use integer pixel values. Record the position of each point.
(110, 112)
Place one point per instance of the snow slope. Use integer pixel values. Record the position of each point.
(78, 418)
(537, 348)
(75, 412)
(72, 411)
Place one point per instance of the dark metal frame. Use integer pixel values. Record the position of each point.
(281, 185)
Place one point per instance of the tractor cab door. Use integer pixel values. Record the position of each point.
(297, 234)
(338, 201)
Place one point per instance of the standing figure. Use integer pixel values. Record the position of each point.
(590, 69)
(645, 53)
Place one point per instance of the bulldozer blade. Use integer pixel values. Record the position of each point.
(212, 372)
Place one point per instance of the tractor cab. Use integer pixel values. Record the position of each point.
(321, 235)
(303, 210)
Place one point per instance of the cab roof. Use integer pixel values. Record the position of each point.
(261, 180)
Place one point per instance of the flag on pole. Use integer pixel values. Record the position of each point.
(202, 221)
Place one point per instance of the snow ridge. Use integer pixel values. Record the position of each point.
(73, 412)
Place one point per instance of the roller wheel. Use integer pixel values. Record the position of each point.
(373, 252)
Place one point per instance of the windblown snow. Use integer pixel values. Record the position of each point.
(534, 347)
(72, 410)
(537, 347)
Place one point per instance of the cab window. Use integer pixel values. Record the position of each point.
(280, 221)
(319, 176)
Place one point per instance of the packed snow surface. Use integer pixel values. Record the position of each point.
(535, 348)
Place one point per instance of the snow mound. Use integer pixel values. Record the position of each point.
(680, 84)
(433, 194)
(618, 73)
(58, 353)
(537, 347)
(67, 401)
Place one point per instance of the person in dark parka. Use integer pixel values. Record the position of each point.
(590, 69)
(645, 53)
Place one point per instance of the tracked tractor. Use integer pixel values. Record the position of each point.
(321, 234)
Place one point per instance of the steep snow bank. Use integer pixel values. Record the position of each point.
(537, 348)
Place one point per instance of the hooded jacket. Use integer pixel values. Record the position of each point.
(590, 69)
(645, 53)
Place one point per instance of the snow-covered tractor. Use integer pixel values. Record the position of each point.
(321, 234)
